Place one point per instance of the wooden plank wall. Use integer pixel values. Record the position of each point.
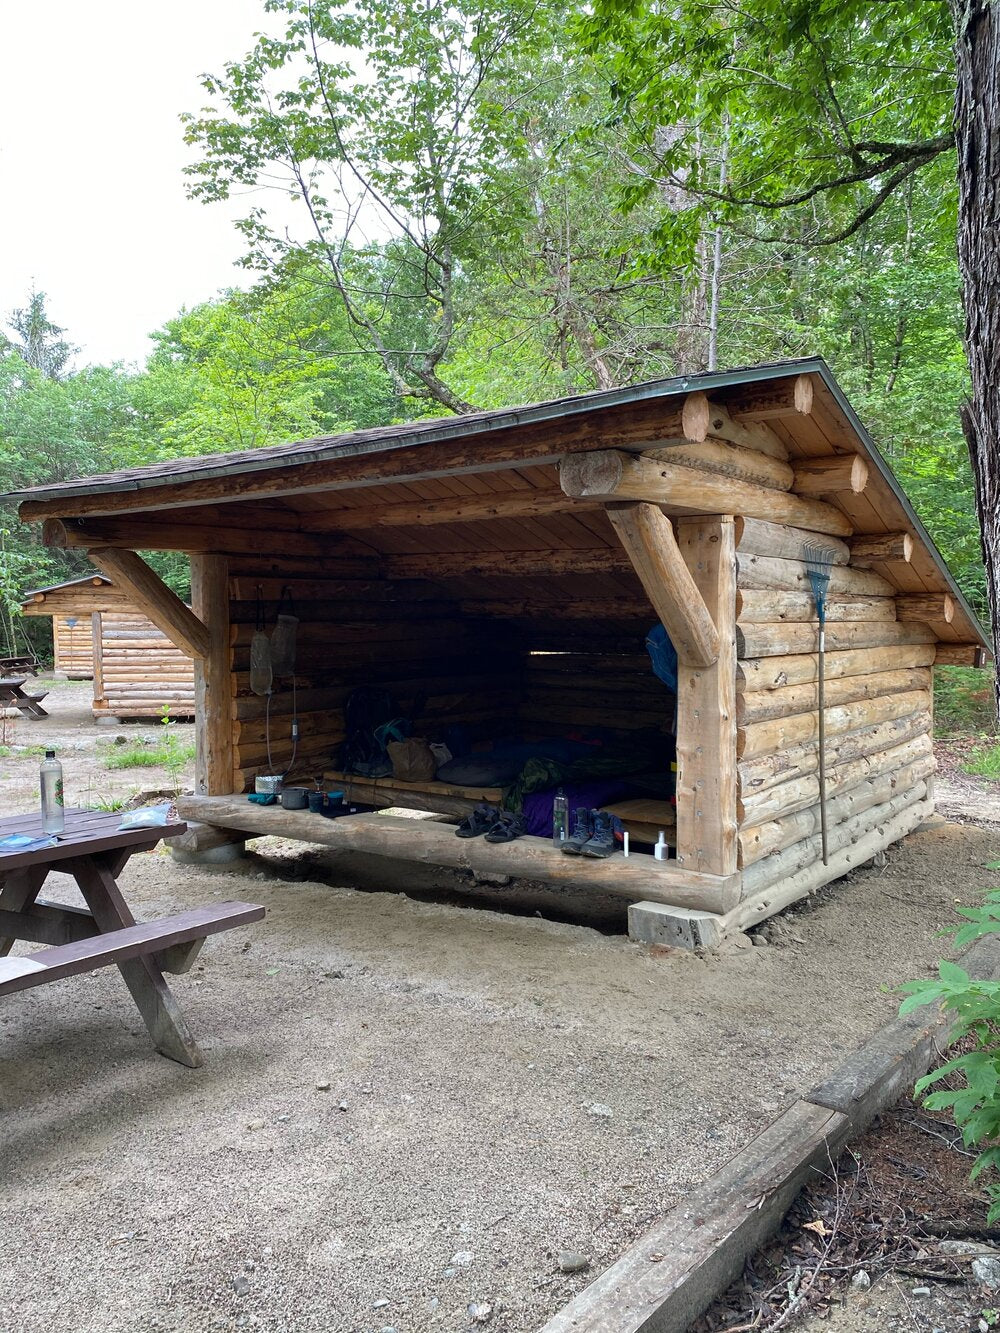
(141, 669)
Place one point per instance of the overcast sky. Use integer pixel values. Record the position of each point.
(93, 205)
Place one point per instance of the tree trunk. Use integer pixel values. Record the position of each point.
(977, 130)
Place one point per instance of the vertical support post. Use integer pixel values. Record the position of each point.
(213, 724)
(707, 823)
(97, 647)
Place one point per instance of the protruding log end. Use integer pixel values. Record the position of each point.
(598, 473)
(696, 417)
(933, 607)
(870, 548)
(826, 476)
(54, 533)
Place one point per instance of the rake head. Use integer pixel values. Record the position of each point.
(818, 561)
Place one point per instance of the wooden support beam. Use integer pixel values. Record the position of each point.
(826, 476)
(648, 538)
(214, 760)
(706, 721)
(873, 547)
(527, 503)
(729, 460)
(926, 607)
(506, 564)
(610, 475)
(701, 419)
(162, 535)
(152, 596)
(960, 654)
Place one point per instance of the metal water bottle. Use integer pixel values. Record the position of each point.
(560, 817)
(51, 779)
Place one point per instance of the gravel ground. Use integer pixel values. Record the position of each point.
(501, 1088)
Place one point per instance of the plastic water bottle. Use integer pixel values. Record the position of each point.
(51, 780)
(560, 817)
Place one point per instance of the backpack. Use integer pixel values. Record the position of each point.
(371, 720)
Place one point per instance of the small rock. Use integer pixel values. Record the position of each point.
(322, 1085)
(599, 1111)
(283, 1119)
(480, 1311)
(572, 1261)
(256, 1124)
(760, 941)
(861, 1280)
(462, 1258)
(449, 1272)
(986, 1271)
(920, 1291)
(432, 1304)
(341, 1106)
(966, 1249)
(982, 1326)
(241, 1286)
(380, 1304)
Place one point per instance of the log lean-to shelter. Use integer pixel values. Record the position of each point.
(99, 634)
(501, 570)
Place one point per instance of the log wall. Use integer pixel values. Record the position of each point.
(139, 669)
(72, 646)
(879, 706)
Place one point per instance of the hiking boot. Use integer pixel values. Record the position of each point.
(601, 843)
(580, 832)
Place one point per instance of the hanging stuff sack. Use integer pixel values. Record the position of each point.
(283, 636)
(261, 673)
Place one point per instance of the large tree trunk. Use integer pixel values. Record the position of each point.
(977, 130)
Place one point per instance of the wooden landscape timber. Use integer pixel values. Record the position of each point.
(960, 654)
(497, 574)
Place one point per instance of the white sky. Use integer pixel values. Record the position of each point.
(93, 206)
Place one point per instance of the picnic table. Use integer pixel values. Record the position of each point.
(94, 850)
(12, 695)
(24, 664)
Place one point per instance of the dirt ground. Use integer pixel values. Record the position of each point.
(410, 1107)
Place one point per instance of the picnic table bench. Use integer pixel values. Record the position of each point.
(23, 665)
(12, 695)
(94, 850)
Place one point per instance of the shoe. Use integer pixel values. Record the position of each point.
(580, 832)
(480, 821)
(602, 842)
(506, 828)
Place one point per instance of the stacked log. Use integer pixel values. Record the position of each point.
(878, 754)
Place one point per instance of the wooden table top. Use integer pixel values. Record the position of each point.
(86, 832)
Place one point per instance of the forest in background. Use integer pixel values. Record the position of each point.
(491, 213)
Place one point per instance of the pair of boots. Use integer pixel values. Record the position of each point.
(593, 834)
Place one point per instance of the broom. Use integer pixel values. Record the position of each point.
(819, 561)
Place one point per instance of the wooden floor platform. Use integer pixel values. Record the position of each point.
(637, 878)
